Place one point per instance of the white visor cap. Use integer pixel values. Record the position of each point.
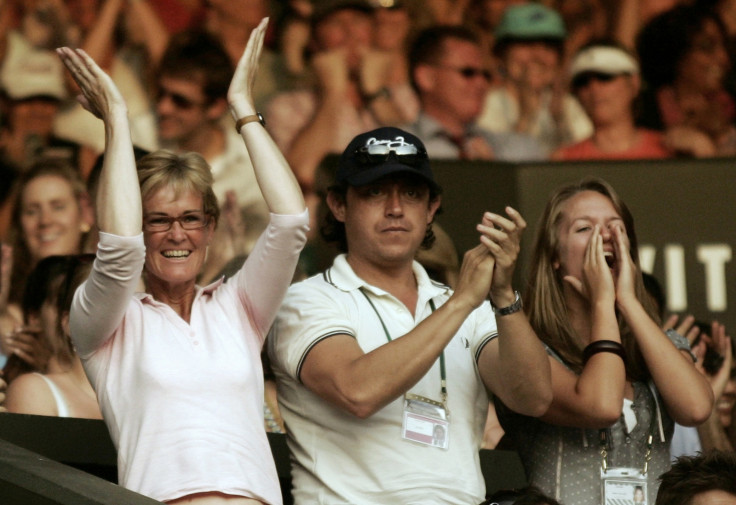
(603, 60)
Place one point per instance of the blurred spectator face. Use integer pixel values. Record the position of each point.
(606, 98)
(182, 108)
(706, 63)
(345, 28)
(533, 63)
(391, 28)
(51, 217)
(34, 115)
(457, 82)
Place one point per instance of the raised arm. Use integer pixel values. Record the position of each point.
(119, 208)
(360, 383)
(594, 398)
(686, 393)
(514, 366)
(276, 180)
(101, 302)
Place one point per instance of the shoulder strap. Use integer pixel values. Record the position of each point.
(61, 407)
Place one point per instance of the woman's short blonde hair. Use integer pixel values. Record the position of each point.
(182, 172)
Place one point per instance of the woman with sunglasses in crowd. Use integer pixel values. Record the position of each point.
(606, 81)
(618, 380)
(177, 370)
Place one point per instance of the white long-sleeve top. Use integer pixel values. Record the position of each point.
(184, 401)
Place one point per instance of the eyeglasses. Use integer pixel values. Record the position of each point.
(583, 80)
(469, 72)
(188, 221)
(180, 101)
(378, 151)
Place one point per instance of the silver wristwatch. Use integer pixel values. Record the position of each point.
(505, 311)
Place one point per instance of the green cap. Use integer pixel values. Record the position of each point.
(530, 21)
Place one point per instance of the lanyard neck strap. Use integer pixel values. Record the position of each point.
(654, 423)
(443, 372)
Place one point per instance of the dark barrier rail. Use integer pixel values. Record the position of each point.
(64, 461)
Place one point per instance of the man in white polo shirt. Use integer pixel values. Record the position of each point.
(383, 374)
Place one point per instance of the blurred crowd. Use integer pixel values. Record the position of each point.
(506, 80)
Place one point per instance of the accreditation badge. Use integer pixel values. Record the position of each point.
(623, 486)
(426, 422)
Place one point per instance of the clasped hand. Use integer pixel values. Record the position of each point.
(501, 238)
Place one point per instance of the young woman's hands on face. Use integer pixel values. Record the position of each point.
(597, 283)
(624, 268)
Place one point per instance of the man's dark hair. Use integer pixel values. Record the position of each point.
(333, 231)
(196, 54)
(692, 475)
(428, 46)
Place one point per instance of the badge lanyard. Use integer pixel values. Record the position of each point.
(654, 426)
(628, 484)
(443, 373)
(425, 421)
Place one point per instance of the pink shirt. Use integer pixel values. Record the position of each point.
(184, 401)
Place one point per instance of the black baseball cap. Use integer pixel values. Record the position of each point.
(381, 152)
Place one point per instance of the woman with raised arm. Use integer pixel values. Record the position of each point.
(177, 370)
(618, 380)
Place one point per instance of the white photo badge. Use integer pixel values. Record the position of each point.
(426, 422)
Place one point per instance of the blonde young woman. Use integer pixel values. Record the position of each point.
(52, 216)
(617, 378)
(177, 370)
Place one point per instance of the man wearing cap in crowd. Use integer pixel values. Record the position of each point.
(529, 44)
(605, 79)
(449, 75)
(372, 356)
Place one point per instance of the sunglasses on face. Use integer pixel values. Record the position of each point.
(180, 101)
(470, 72)
(374, 153)
(583, 80)
(188, 221)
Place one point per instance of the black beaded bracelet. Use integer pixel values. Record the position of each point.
(603, 346)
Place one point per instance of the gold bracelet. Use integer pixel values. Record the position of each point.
(249, 119)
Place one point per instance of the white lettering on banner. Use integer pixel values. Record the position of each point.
(647, 254)
(715, 257)
(674, 269)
